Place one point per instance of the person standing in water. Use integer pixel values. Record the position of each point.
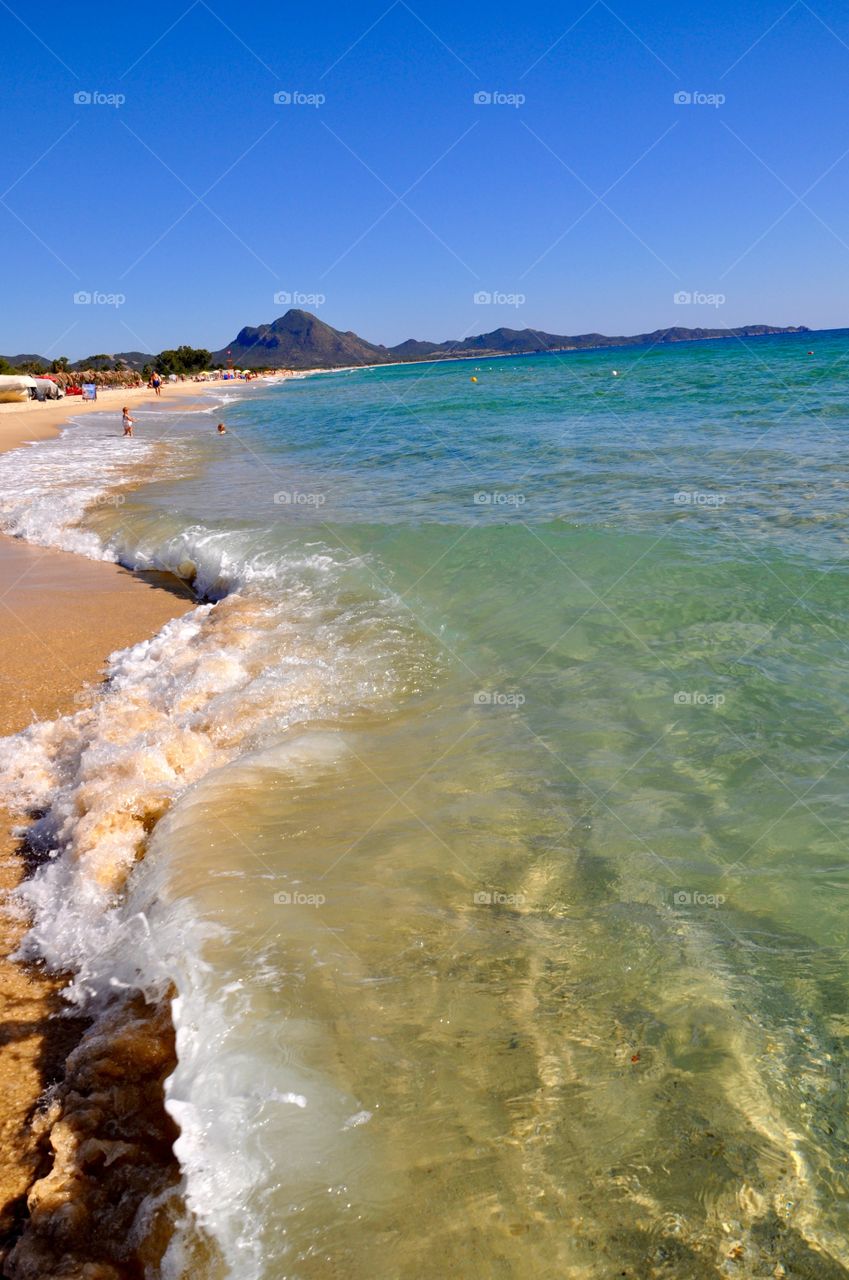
(127, 421)
(222, 430)
(156, 383)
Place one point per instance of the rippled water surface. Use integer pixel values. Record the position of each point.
(503, 866)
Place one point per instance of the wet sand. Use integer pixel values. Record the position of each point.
(60, 618)
(20, 423)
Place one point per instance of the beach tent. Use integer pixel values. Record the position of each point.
(48, 389)
(16, 388)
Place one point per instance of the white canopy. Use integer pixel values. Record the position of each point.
(15, 388)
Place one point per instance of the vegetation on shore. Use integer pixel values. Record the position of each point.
(111, 371)
(299, 340)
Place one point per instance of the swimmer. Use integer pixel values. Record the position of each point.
(222, 430)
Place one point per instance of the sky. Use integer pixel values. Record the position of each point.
(173, 173)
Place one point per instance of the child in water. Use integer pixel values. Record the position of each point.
(222, 430)
(128, 421)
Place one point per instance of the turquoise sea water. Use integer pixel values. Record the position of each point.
(503, 867)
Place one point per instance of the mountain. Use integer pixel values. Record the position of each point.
(130, 360)
(299, 340)
(17, 361)
(134, 359)
(529, 341)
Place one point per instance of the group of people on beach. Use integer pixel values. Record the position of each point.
(127, 423)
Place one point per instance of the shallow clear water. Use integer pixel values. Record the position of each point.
(503, 864)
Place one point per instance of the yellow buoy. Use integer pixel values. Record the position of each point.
(474, 379)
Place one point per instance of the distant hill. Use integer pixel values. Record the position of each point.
(130, 360)
(17, 361)
(529, 341)
(299, 340)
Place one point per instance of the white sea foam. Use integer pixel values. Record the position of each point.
(46, 488)
(286, 643)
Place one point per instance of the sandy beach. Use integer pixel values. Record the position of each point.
(61, 617)
(20, 423)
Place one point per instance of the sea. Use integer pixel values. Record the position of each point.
(494, 807)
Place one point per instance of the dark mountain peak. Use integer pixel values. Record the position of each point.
(294, 321)
(299, 340)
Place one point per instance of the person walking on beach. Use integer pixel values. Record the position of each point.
(156, 383)
(127, 421)
(222, 430)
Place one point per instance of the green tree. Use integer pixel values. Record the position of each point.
(60, 365)
(183, 360)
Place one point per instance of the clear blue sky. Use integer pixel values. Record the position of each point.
(200, 198)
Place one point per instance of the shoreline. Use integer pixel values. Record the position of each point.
(451, 357)
(61, 617)
(28, 423)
